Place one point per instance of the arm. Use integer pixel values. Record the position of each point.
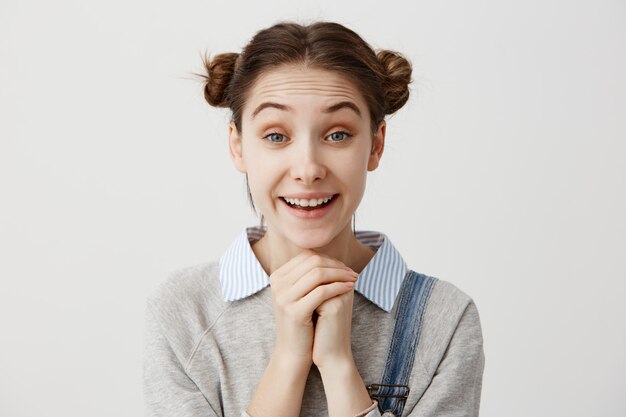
(280, 390)
(454, 391)
(167, 389)
(346, 393)
(298, 288)
(456, 385)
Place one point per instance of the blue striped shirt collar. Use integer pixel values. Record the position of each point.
(242, 275)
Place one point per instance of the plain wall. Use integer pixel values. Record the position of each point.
(504, 174)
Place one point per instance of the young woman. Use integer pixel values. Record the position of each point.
(306, 316)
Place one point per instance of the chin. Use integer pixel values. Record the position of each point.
(310, 239)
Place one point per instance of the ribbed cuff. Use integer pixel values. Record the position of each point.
(370, 408)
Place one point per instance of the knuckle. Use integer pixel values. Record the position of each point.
(318, 274)
(280, 301)
(323, 292)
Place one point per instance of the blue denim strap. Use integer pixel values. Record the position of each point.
(393, 391)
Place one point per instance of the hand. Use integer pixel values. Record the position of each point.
(298, 288)
(332, 339)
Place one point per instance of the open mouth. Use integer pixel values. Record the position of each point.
(298, 204)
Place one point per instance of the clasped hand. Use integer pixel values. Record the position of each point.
(313, 284)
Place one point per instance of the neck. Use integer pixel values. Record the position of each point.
(274, 250)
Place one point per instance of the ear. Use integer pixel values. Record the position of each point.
(236, 148)
(378, 146)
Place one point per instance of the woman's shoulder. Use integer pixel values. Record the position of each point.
(445, 297)
(187, 301)
(193, 284)
(450, 311)
(449, 297)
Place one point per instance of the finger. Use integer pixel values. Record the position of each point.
(316, 277)
(312, 300)
(316, 260)
(288, 266)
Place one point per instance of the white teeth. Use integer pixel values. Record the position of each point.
(306, 203)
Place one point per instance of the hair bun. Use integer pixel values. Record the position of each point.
(218, 73)
(398, 77)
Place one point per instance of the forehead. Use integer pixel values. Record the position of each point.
(297, 84)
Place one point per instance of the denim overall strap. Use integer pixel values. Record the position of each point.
(393, 391)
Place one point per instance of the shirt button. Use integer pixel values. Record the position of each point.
(388, 414)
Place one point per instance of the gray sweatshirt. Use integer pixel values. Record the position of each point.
(204, 356)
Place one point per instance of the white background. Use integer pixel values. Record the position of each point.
(504, 174)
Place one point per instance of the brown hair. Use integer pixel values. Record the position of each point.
(382, 77)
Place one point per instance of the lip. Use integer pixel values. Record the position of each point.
(310, 214)
(308, 196)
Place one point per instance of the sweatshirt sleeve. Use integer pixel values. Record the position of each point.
(455, 389)
(167, 389)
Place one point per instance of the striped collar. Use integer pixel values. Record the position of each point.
(241, 274)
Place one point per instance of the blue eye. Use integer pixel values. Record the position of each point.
(273, 134)
(332, 135)
(340, 132)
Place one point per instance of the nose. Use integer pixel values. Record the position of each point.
(307, 163)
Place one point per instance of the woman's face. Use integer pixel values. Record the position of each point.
(297, 141)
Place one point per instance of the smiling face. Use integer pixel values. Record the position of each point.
(306, 133)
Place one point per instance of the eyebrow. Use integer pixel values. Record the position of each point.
(331, 109)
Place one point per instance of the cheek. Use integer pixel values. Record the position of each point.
(262, 177)
(352, 173)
